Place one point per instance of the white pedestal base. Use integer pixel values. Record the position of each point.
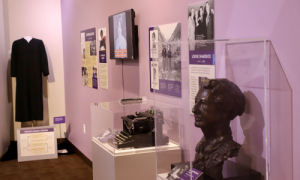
(162, 176)
(133, 164)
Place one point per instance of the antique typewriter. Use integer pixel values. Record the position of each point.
(139, 130)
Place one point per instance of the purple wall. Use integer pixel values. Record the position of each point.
(271, 19)
(77, 16)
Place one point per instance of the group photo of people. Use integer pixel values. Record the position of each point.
(153, 46)
(200, 21)
(84, 76)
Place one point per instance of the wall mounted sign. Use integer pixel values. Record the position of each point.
(89, 68)
(165, 59)
(201, 55)
(102, 58)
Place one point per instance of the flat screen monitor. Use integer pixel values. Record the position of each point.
(123, 36)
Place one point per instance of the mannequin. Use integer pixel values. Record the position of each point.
(28, 38)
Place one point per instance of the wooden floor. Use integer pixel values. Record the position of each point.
(64, 168)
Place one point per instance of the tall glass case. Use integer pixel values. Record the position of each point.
(123, 136)
(263, 130)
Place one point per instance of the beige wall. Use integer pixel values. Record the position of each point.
(4, 100)
(41, 20)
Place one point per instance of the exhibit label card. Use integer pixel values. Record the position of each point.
(194, 173)
(165, 59)
(201, 55)
(37, 143)
(105, 136)
(89, 58)
(102, 58)
(59, 120)
(182, 171)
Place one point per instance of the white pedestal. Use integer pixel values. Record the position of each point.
(162, 176)
(133, 164)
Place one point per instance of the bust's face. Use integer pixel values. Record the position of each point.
(206, 111)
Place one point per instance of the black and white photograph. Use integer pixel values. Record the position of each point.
(154, 75)
(200, 22)
(169, 58)
(120, 31)
(201, 80)
(177, 171)
(82, 36)
(153, 47)
(84, 76)
(93, 51)
(95, 72)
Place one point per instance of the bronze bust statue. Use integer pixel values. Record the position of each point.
(218, 101)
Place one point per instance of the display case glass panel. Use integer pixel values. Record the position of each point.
(126, 128)
(264, 130)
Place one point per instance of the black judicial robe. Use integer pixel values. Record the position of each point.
(28, 62)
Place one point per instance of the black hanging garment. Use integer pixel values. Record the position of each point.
(28, 62)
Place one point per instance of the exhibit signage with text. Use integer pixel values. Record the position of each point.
(89, 58)
(37, 143)
(165, 59)
(102, 58)
(201, 55)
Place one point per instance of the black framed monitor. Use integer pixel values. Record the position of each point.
(123, 36)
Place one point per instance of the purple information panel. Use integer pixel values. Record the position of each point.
(95, 83)
(202, 57)
(90, 34)
(102, 57)
(30, 131)
(59, 120)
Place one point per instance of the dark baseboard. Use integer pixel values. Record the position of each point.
(3, 153)
(77, 151)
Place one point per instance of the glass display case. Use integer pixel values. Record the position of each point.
(264, 129)
(123, 136)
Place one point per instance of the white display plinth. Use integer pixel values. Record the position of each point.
(162, 176)
(133, 164)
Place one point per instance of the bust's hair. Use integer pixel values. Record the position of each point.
(227, 95)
